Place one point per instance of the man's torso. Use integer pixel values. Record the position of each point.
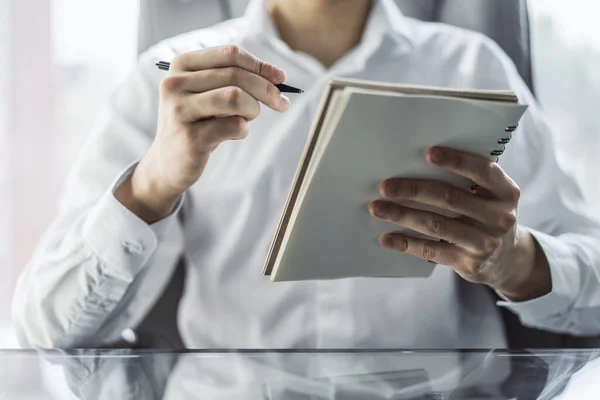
(235, 207)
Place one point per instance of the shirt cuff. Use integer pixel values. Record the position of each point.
(119, 237)
(564, 272)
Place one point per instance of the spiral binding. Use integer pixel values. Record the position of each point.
(504, 141)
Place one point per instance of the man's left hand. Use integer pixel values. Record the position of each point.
(485, 244)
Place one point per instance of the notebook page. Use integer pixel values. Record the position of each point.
(333, 235)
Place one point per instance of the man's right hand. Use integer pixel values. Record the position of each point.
(207, 98)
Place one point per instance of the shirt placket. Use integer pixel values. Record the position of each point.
(334, 315)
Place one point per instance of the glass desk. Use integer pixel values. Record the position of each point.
(305, 375)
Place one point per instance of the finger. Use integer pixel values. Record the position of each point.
(256, 86)
(486, 228)
(224, 101)
(493, 213)
(430, 250)
(481, 192)
(227, 56)
(466, 265)
(481, 171)
(437, 226)
(214, 131)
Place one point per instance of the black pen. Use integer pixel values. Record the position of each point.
(283, 88)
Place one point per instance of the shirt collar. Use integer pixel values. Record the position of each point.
(385, 20)
(258, 22)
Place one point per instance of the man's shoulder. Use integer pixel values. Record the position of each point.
(449, 39)
(227, 32)
(483, 62)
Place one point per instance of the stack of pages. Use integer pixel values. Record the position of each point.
(364, 133)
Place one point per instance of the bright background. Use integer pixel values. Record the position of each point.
(566, 44)
(66, 56)
(53, 91)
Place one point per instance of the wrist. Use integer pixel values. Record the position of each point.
(144, 195)
(532, 278)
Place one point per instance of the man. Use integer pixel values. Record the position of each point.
(525, 233)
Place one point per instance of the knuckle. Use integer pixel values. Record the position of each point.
(165, 88)
(233, 53)
(453, 197)
(180, 61)
(239, 123)
(507, 221)
(436, 225)
(429, 252)
(178, 110)
(515, 192)
(474, 267)
(172, 83)
(491, 244)
(255, 112)
(488, 170)
(243, 133)
(236, 129)
(233, 95)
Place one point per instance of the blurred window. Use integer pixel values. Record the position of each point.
(94, 47)
(5, 222)
(566, 44)
(65, 57)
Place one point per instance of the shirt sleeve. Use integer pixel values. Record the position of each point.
(554, 210)
(83, 285)
(112, 374)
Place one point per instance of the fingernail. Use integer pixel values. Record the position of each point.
(386, 241)
(380, 210)
(391, 190)
(401, 244)
(437, 156)
(284, 103)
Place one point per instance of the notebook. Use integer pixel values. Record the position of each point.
(366, 132)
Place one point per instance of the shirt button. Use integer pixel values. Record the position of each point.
(133, 247)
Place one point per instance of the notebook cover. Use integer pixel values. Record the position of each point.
(343, 186)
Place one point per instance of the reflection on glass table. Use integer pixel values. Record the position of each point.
(316, 375)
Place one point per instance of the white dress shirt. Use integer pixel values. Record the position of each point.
(99, 268)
